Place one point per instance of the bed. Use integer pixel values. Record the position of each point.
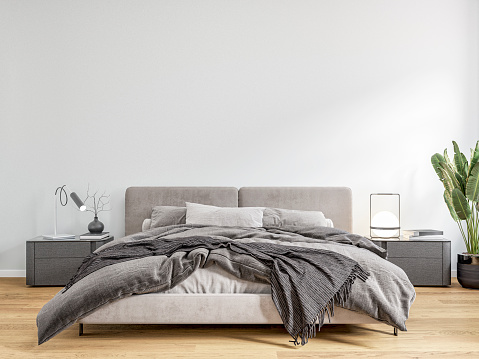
(230, 308)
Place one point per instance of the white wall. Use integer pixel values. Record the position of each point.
(230, 93)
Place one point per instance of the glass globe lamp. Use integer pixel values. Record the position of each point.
(384, 215)
(385, 225)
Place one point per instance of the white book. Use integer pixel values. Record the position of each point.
(423, 238)
(422, 232)
(95, 235)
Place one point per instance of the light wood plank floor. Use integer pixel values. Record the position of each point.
(444, 323)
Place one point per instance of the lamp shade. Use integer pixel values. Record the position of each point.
(81, 206)
(385, 224)
(384, 215)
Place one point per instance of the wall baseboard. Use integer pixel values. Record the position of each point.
(13, 273)
(454, 273)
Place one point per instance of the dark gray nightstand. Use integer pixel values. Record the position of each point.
(426, 262)
(54, 262)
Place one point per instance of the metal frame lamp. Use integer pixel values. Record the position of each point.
(61, 192)
(386, 223)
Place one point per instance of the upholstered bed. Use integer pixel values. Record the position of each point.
(256, 307)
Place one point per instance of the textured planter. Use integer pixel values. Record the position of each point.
(468, 270)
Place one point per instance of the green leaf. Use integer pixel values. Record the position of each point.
(448, 200)
(460, 204)
(436, 161)
(448, 160)
(472, 187)
(459, 160)
(450, 175)
(448, 184)
(461, 182)
(474, 158)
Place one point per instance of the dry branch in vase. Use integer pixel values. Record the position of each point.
(100, 203)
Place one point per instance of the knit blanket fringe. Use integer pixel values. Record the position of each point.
(341, 296)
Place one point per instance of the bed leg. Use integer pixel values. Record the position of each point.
(395, 332)
(80, 329)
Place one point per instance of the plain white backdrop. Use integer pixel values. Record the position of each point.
(230, 93)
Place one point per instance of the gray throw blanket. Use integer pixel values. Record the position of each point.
(386, 295)
(305, 282)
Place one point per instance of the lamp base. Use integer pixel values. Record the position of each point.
(59, 236)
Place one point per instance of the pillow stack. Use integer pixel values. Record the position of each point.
(195, 213)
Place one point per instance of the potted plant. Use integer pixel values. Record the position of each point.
(461, 183)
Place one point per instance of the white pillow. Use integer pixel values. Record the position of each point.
(146, 225)
(224, 216)
(329, 223)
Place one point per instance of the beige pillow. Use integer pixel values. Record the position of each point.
(278, 217)
(224, 216)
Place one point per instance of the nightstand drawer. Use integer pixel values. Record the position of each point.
(426, 262)
(58, 272)
(407, 249)
(421, 271)
(54, 262)
(67, 249)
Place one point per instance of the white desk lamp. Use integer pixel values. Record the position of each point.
(62, 191)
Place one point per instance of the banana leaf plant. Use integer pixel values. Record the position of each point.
(461, 191)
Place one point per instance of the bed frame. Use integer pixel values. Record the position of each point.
(159, 308)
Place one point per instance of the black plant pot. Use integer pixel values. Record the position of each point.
(468, 271)
(96, 226)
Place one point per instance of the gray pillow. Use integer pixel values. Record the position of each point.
(278, 217)
(167, 215)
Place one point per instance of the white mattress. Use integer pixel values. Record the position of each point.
(214, 280)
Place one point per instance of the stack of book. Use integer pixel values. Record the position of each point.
(101, 235)
(422, 234)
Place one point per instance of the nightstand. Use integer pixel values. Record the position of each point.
(426, 262)
(54, 262)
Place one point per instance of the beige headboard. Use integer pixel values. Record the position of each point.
(334, 202)
(140, 200)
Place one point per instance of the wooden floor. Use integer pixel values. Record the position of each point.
(444, 323)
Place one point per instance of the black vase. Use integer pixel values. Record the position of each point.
(96, 226)
(468, 271)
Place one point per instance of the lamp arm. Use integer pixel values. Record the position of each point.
(62, 192)
(63, 201)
